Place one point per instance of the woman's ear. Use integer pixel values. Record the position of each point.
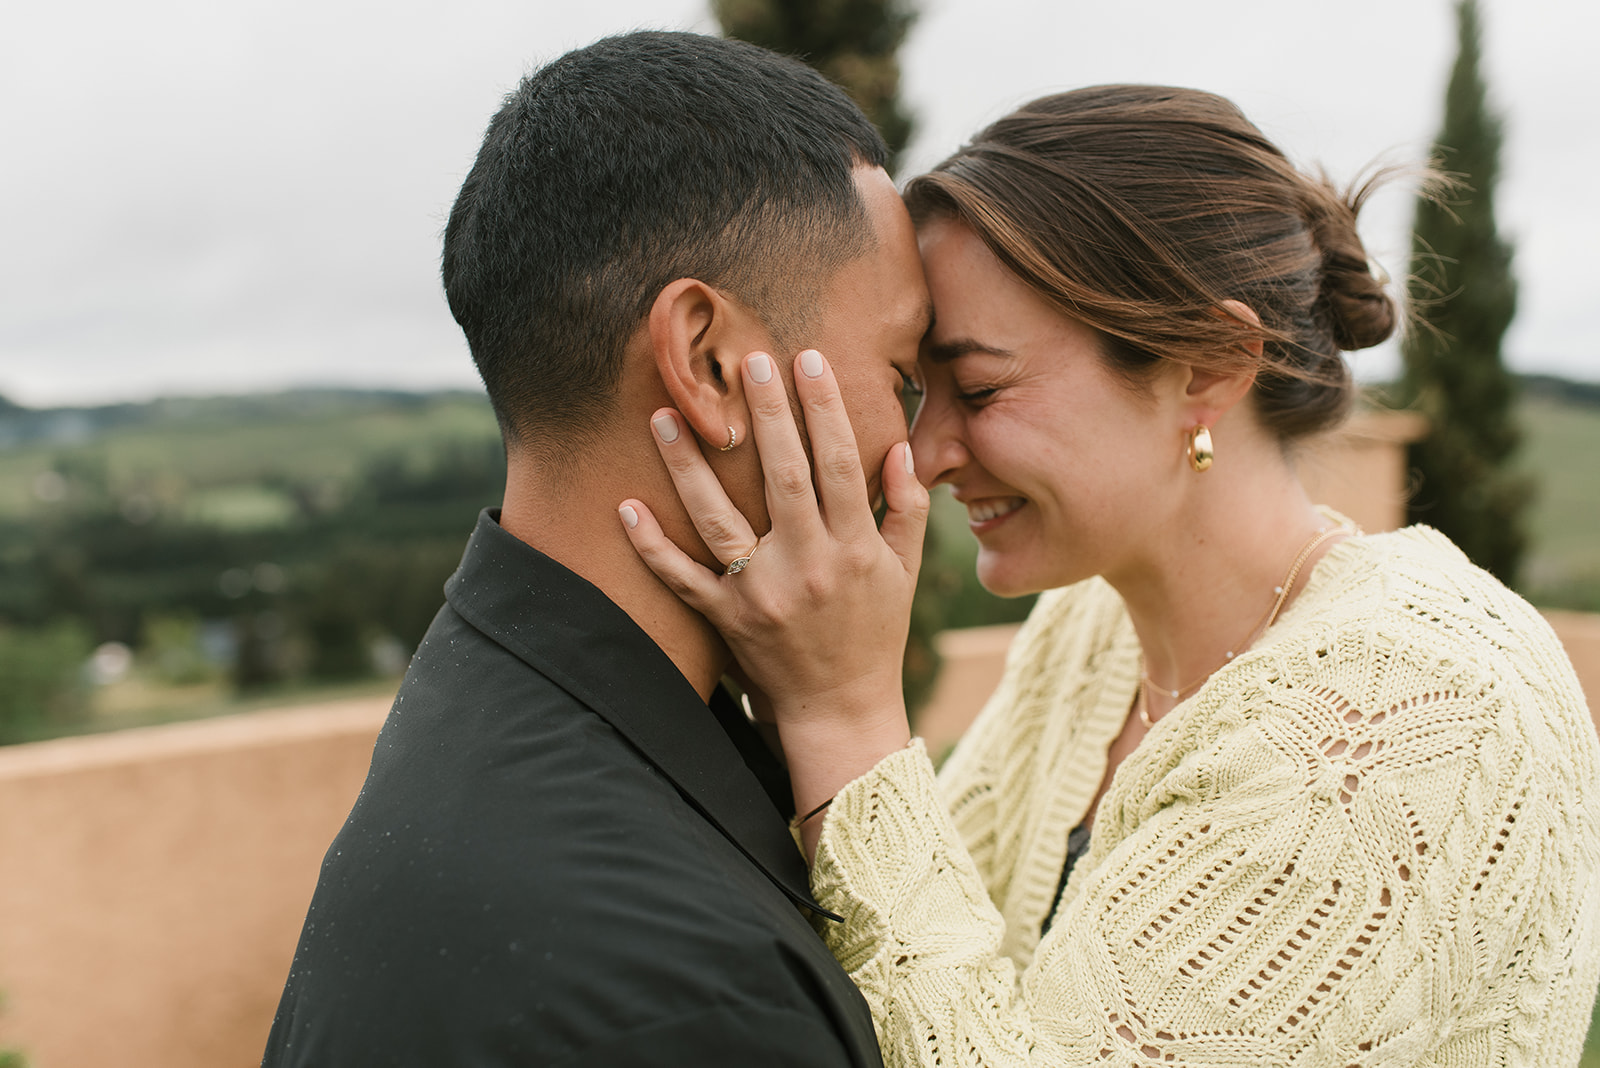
(696, 337)
(1209, 394)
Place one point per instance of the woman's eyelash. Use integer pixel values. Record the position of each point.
(972, 396)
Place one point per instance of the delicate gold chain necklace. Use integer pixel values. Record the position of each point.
(1261, 625)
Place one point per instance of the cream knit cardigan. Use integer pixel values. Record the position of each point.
(1372, 840)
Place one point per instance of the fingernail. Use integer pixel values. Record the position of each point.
(666, 427)
(811, 363)
(629, 516)
(760, 368)
(911, 462)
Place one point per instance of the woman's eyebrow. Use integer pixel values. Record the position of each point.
(945, 351)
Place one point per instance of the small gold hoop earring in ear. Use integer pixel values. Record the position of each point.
(733, 439)
(1200, 451)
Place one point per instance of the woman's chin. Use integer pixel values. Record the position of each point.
(998, 573)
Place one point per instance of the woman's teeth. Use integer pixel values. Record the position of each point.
(992, 508)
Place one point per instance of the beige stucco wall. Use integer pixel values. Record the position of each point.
(153, 882)
(1360, 469)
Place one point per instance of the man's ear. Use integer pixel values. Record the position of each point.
(1210, 394)
(699, 337)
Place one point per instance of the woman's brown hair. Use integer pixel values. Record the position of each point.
(1138, 210)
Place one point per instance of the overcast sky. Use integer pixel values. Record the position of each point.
(219, 197)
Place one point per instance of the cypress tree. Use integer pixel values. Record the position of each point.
(853, 42)
(1464, 291)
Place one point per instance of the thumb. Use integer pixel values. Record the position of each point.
(906, 519)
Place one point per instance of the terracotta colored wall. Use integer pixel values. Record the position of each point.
(1360, 470)
(153, 882)
(1580, 633)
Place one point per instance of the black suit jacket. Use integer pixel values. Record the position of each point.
(562, 856)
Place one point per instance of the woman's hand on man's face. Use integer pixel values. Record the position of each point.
(818, 617)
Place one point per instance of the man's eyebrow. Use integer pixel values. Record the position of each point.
(945, 351)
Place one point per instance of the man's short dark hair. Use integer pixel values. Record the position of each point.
(622, 166)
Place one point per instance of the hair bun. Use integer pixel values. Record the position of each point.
(1356, 309)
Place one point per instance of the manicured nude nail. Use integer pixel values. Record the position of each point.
(811, 363)
(760, 368)
(666, 427)
(911, 464)
(629, 516)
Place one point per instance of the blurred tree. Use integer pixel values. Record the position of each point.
(11, 1058)
(929, 615)
(1463, 288)
(853, 42)
(42, 681)
(173, 647)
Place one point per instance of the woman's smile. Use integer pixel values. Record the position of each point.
(987, 513)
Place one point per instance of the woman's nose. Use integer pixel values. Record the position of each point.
(935, 443)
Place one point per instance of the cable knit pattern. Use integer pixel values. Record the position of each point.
(1371, 840)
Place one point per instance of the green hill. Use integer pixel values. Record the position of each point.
(237, 546)
(173, 453)
(1560, 447)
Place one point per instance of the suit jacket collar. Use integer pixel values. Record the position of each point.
(563, 627)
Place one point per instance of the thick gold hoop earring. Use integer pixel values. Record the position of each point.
(1200, 451)
(733, 439)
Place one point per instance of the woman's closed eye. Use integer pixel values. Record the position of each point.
(977, 395)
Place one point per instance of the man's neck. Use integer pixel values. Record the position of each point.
(572, 518)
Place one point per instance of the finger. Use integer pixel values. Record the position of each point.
(905, 523)
(841, 484)
(790, 500)
(720, 525)
(695, 585)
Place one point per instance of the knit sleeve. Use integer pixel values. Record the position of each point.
(1367, 848)
(924, 943)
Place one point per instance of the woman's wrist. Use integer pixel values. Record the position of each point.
(826, 754)
(822, 765)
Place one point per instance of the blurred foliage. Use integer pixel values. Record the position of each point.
(1562, 565)
(42, 680)
(174, 650)
(1462, 286)
(852, 42)
(10, 1058)
(1591, 1046)
(336, 581)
